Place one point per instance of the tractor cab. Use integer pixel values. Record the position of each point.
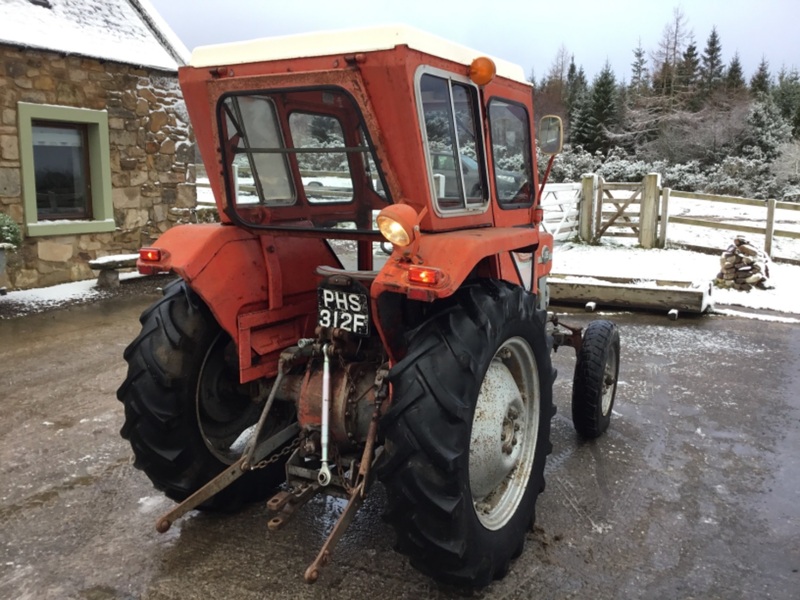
(359, 120)
(332, 145)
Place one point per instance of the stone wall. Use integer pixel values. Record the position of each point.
(152, 157)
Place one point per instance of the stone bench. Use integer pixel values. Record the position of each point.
(109, 267)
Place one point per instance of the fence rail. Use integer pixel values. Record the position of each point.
(770, 210)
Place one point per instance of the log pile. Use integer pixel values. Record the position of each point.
(743, 267)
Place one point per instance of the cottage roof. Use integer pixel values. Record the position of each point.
(126, 31)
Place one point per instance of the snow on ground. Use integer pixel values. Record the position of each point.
(646, 266)
(40, 299)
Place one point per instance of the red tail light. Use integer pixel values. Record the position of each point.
(424, 275)
(150, 254)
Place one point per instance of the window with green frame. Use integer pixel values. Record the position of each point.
(66, 170)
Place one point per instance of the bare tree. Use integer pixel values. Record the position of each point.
(551, 93)
(674, 40)
(556, 78)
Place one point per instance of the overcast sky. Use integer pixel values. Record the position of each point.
(526, 32)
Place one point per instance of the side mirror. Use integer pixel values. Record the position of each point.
(550, 135)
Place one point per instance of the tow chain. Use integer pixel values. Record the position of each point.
(278, 455)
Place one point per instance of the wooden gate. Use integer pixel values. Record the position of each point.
(618, 209)
(561, 204)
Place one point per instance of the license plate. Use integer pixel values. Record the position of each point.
(344, 310)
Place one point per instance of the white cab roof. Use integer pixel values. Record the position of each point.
(327, 43)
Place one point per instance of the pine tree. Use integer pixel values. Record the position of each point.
(576, 85)
(323, 129)
(689, 68)
(712, 69)
(579, 132)
(734, 78)
(761, 83)
(786, 93)
(687, 79)
(767, 130)
(600, 115)
(622, 115)
(796, 123)
(640, 77)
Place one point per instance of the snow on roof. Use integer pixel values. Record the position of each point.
(125, 31)
(326, 43)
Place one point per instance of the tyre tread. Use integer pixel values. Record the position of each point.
(426, 506)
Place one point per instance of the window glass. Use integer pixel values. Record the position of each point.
(450, 114)
(371, 169)
(474, 175)
(301, 158)
(253, 132)
(61, 169)
(323, 163)
(510, 135)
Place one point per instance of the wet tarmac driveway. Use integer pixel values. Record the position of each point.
(693, 493)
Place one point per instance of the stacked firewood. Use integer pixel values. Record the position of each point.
(744, 266)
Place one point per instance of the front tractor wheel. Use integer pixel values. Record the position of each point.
(468, 433)
(186, 416)
(594, 385)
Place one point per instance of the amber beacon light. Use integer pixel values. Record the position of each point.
(482, 70)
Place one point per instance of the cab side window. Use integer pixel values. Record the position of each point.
(511, 153)
(452, 132)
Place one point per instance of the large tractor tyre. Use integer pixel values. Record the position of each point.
(185, 413)
(594, 385)
(467, 434)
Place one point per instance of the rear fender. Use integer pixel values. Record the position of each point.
(515, 254)
(261, 292)
(455, 255)
(224, 265)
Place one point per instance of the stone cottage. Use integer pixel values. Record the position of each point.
(96, 152)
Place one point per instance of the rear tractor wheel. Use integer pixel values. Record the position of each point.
(186, 416)
(468, 433)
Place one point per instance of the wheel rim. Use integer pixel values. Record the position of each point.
(609, 381)
(504, 433)
(226, 415)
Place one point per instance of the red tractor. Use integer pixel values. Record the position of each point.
(291, 350)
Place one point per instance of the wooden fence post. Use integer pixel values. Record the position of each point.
(589, 183)
(648, 213)
(598, 210)
(770, 226)
(662, 232)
